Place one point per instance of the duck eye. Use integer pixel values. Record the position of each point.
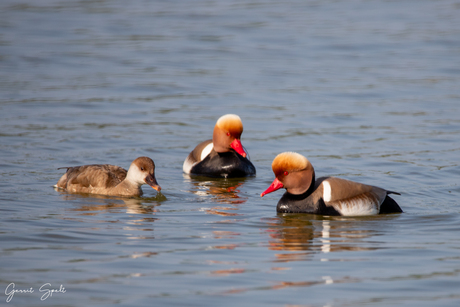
(228, 133)
(142, 168)
(286, 173)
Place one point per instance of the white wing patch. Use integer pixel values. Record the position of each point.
(206, 151)
(188, 164)
(327, 191)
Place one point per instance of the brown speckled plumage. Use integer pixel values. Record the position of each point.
(109, 179)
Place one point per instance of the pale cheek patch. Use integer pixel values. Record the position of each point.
(327, 191)
(136, 175)
(206, 151)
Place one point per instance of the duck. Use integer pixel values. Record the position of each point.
(223, 156)
(326, 195)
(111, 180)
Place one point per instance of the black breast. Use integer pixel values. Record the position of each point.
(224, 165)
(302, 203)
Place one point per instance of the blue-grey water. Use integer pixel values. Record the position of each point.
(367, 90)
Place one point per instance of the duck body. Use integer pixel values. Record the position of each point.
(106, 179)
(327, 195)
(360, 199)
(223, 156)
(228, 164)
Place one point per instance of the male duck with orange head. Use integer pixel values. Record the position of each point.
(223, 156)
(327, 195)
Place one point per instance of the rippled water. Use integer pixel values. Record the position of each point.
(367, 90)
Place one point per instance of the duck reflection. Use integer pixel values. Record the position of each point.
(220, 190)
(308, 235)
(291, 233)
(96, 204)
(217, 190)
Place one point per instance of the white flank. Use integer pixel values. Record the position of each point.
(351, 207)
(327, 191)
(187, 166)
(357, 207)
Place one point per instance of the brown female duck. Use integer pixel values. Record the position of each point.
(106, 179)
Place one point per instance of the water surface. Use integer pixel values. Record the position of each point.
(367, 90)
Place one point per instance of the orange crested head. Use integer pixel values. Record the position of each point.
(290, 162)
(232, 124)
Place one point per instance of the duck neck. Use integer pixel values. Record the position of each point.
(312, 184)
(300, 182)
(304, 194)
(127, 187)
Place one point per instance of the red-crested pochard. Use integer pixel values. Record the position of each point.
(327, 195)
(106, 179)
(223, 156)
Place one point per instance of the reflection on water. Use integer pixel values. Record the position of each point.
(325, 235)
(364, 88)
(324, 280)
(91, 204)
(307, 235)
(219, 191)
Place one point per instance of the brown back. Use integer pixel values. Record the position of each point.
(97, 175)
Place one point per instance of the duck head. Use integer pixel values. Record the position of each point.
(227, 134)
(293, 172)
(142, 171)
